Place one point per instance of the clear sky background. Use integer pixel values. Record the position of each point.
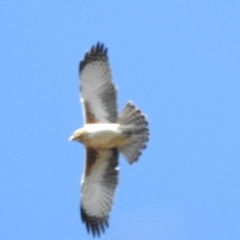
(179, 61)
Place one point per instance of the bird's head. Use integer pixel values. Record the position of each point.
(77, 135)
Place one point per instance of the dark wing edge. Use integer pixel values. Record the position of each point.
(96, 224)
(98, 92)
(97, 53)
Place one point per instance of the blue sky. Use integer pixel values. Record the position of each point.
(176, 60)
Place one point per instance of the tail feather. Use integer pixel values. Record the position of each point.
(135, 125)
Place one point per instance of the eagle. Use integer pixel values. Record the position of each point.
(105, 134)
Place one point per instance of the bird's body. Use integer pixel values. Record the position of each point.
(104, 135)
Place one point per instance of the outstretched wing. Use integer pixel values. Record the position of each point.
(98, 93)
(98, 186)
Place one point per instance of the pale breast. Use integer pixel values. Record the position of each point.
(103, 136)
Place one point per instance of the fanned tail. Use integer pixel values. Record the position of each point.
(135, 125)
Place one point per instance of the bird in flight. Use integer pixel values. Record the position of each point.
(105, 134)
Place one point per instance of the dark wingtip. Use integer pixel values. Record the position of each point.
(94, 225)
(96, 53)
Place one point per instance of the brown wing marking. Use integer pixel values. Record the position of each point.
(98, 188)
(90, 118)
(98, 93)
(92, 156)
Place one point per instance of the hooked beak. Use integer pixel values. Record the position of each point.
(76, 136)
(71, 138)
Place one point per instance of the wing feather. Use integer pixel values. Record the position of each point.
(98, 188)
(98, 93)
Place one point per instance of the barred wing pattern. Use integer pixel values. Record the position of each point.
(98, 93)
(98, 187)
